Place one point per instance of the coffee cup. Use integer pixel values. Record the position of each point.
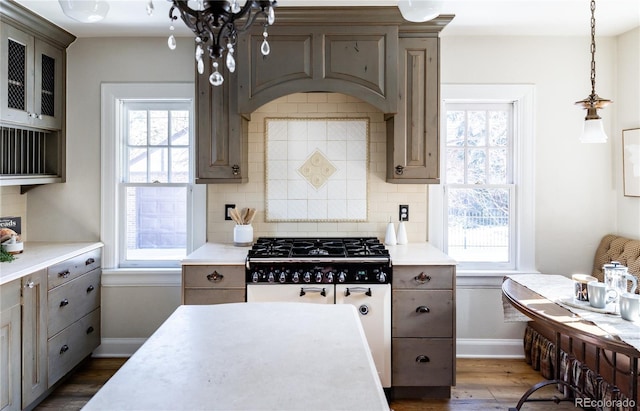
(580, 281)
(600, 295)
(630, 306)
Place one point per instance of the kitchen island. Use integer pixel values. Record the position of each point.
(250, 356)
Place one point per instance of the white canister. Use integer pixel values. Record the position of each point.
(402, 233)
(243, 235)
(390, 235)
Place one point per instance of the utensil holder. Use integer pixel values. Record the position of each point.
(242, 235)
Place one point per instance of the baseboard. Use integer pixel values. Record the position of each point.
(489, 348)
(465, 347)
(118, 347)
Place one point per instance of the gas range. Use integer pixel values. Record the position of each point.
(350, 260)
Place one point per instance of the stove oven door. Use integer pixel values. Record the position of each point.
(373, 302)
(319, 294)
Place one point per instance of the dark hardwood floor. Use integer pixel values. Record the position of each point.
(482, 384)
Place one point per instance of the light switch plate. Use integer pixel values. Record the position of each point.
(228, 207)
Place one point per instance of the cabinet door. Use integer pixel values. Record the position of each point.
(413, 152)
(48, 86)
(222, 136)
(34, 336)
(16, 75)
(10, 346)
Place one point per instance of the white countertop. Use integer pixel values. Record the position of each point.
(39, 255)
(250, 356)
(409, 254)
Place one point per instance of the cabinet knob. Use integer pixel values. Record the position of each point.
(64, 302)
(235, 169)
(422, 359)
(90, 330)
(423, 309)
(30, 284)
(64, 274)
(215, 277)
(399, 170)
(422, 278)
(64, 349)
(90, 261)
(90, 288)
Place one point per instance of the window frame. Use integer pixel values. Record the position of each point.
(112, 97)
(523, 98)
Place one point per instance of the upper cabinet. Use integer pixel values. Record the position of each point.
(413, 133)
(32, 79)
(370, 53)
(32, 98)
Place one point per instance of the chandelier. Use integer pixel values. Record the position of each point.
(216, 25)
(593, 128)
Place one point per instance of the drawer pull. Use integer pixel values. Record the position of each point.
(423, 309)
(90, 330)
(64, 274)
(90, 261)
(30, 284)
(366, 291)
(64, 302)
(90, 288)
(304, 291)
(215, 277)
(64, 349)
(422, 278)
(422, 359)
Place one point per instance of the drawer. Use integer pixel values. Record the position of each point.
(73, 300)
(426, 277)
(73, 344)
(422, 362)
(213, 276)
(422, 313)
(74, 267)
(201, 296)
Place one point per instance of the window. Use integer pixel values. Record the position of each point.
(482, 213)
(153, 213)
(478, 180)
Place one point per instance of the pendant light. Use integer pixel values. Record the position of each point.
(593, 128)
(419, 11)
(85, 11)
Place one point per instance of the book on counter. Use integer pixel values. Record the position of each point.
(10, 234)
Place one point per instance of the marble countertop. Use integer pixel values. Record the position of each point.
(250, 356)
(409, 254)
(39, 255)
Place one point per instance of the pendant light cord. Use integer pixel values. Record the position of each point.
(593, 48)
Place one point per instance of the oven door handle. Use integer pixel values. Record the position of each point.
(365, 290)
(322, 291)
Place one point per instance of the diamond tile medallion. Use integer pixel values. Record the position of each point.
(317, 169)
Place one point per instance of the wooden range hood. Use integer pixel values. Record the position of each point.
(370, 53)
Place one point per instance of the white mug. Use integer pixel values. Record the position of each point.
(599, 295)
(630, 306)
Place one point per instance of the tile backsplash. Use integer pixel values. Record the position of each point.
(382, 198)
(316, 169)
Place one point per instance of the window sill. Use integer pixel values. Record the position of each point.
(485, 278)
(142, 277)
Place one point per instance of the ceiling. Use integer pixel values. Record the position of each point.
(473, 17)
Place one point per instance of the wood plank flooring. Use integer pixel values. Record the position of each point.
(482, 384)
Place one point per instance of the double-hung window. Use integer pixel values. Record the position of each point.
(153, 213)
(482, 213)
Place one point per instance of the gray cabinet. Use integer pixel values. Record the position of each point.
(213, 284)
(10, 346)
(73, 314)
(413, 133)
(423, 331)
(32, 98)
(34, 336)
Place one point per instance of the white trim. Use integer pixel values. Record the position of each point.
(523, 95)
(142, 277)
(111, 96)
(118, 347)
(489, 348)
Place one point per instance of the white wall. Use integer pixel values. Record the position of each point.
(576, 197)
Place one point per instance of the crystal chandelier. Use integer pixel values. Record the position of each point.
(214, 24)
(593, 128)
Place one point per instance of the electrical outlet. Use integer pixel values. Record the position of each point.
(403, 212)
(228, 207)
